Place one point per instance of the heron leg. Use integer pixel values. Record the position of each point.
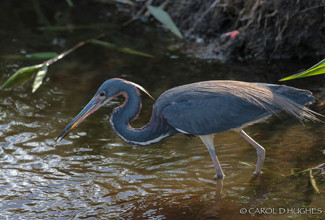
(208, 141)
(260, 151)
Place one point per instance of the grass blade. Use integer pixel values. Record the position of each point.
(43, 56)
(21, 76)
(293, 173)
(39, 78)
(247, 164)
(321, 167)
(122, 49)
(164, 18)
(253, 165)
(76, 27)
(312, 181)
(70, 3)
(317, 69)
(60, 56)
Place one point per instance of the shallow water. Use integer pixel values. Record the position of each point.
(92, 174)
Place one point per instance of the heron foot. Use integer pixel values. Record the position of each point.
(257, 172)
(219, 176)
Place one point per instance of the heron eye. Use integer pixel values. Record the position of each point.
(102, 94)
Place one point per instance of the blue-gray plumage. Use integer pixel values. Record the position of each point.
(202, 109)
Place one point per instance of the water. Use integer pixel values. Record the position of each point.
(93, 174)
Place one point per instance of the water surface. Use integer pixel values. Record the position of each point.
(92, 174)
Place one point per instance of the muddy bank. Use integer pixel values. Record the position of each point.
(272, 29)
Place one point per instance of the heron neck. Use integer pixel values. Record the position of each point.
(156, 130)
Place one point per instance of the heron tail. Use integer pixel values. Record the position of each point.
(301, 97)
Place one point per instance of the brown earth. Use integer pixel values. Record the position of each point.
(268, 29)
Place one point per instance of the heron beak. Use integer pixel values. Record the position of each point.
(92, 106)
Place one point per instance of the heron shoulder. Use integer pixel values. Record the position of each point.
(206, 90)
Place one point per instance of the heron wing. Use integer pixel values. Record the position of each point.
(212, 115)
(216, 106)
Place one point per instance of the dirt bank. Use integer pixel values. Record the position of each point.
(268, 29)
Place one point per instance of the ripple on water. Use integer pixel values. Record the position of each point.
(106, 178)
(20, 138)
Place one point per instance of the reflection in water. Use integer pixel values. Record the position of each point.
(262, 189)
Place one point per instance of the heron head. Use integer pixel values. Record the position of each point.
(106, 92)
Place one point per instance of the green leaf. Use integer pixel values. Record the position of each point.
(317, 69)
(70, 3)
(122, 49)
(312, 181)
(125, 2)
(39, 77)
(24, 74)
(44, 55)
(162, 16)
(21, 76)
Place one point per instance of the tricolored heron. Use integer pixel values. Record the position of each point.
(202, 109)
